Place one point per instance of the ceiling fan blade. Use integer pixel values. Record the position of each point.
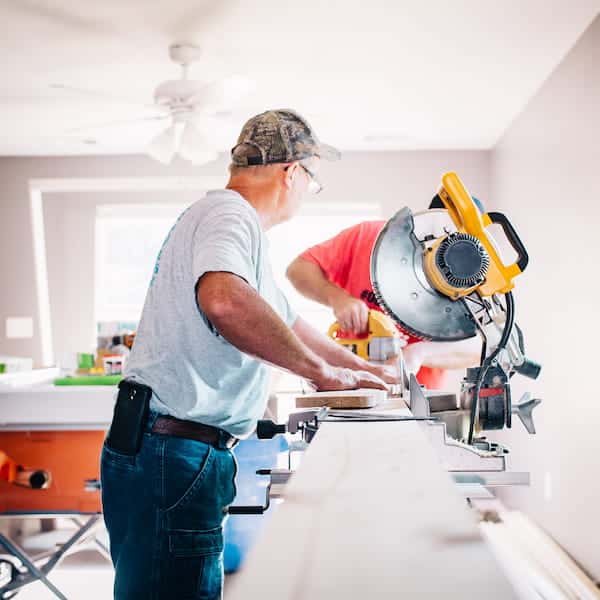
(90, 128)
(101, 95)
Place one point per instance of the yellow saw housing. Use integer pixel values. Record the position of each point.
(469, 220)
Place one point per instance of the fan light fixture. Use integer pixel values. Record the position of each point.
(184, 139)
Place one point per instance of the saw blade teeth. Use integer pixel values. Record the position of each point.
(390, 313)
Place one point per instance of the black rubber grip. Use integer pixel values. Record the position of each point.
(513, 238)
(246, 510)
(267, 429)
(529, 368)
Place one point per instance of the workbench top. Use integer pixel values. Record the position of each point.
(46, 406)
(371, 514)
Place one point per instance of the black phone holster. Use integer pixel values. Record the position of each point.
(129, 418)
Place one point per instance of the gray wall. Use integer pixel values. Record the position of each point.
(545, 173)
(392, 179)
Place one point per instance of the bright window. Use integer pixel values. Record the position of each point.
(129, 237)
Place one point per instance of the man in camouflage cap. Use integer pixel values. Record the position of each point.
(279, 144)
(213, 320)
(278, 136)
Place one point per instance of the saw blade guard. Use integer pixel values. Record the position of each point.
(401, 286)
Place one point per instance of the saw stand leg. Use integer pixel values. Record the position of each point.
(31, 572)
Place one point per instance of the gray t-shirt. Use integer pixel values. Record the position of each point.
(194, 372)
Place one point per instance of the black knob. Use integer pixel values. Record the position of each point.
(266, 429)
(529, 368)
(38, 479)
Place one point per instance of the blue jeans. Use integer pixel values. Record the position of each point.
(164, 510)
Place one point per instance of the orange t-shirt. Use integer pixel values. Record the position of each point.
(346, 261)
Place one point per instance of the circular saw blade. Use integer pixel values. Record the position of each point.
(400, 284)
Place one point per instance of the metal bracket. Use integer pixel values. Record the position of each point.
(277, 477)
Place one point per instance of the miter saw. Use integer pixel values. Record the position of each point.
(439, 275)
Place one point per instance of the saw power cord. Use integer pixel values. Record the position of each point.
(487, 363)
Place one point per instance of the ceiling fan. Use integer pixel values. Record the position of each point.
(187, 107)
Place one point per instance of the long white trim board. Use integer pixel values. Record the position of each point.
(371, 514)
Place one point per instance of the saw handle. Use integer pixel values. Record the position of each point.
(468, 219)
(512, 236)
(460, 206)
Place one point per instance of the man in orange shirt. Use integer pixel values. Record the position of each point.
(337, 273)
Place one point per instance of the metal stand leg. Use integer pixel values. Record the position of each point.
(86, 530)
(77, 538)
(100, 546)
(33, 575)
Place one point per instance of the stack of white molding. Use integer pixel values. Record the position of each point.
(27, 377)
(537, 566)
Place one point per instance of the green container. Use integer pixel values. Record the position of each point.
(2, 367)
(85, 360)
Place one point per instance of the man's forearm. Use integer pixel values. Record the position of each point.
(245, 320)
(310, 281)
(333, 353)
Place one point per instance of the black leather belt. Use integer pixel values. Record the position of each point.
(194, 431)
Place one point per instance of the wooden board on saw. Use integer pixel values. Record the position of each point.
(361, 398)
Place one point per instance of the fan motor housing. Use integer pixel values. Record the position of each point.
(176, 91)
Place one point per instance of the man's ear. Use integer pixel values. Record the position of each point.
(290, 173)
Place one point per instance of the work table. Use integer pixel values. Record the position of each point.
(46, 406)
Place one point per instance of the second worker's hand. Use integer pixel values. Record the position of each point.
(340, 378)
(351, 313)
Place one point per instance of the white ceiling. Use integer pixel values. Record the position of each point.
(381, 74)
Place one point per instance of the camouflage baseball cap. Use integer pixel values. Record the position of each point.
(278, 136)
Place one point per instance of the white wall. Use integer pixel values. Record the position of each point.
(392, 179)
(545, 174)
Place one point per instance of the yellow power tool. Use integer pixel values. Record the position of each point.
(379, 344)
